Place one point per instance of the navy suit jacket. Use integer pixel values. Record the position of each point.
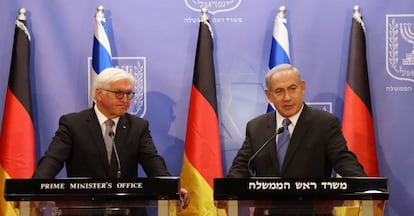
(79, 144)
(316, 147)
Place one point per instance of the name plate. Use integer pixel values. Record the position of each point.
(52, 189)
(280, 188)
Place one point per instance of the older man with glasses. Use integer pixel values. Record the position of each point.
(81, 139)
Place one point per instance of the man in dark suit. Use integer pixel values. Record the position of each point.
(316, 145)
(79, 142)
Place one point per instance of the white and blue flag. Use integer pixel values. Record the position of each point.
(279, 53)
(101, 56)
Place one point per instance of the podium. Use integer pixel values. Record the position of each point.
(85, 196)
(280, 196)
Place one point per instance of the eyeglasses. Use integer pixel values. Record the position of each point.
(121, 94)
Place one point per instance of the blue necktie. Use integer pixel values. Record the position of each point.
(283, 142)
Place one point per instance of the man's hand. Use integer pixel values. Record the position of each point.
(221, 204)
(184, 197)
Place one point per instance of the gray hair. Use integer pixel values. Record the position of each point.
(279, 68)
(110, 75)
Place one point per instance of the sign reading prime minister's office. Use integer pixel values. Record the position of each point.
(90, 185)
(84, 188)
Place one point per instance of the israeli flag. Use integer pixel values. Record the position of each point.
(101, 56)
(279, 52)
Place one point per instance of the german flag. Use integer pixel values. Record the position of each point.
(202, 156)
(357, 123)
(17, 139)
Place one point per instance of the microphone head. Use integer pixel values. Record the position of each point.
(280, 130)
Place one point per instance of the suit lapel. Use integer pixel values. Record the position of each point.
(270, 130)
(121, 133)
(297, 137)
(96, 132)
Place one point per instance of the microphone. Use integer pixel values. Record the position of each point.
(118, 172)
(279, 131)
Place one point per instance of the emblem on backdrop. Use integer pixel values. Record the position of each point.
(216, 6)
(400, 46)
(325, 106)
(137, 67)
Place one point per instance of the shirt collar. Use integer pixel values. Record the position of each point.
(102, 118)
(293, 119)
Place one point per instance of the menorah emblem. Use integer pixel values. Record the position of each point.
(400, 56)
(137, 67)
(408, 35)
(213, 7)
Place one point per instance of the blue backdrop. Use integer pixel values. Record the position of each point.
(162, 35)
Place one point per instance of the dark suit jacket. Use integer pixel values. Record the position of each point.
(79, 143)
(316, 146)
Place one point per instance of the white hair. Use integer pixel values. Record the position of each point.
(110, 75)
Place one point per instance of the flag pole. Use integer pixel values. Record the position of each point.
(100, 12)
(21, 14)
(358, 16)
(282, 12)
(204, 14)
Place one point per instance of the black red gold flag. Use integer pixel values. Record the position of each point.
(17, 139)
(357, 123)
(202, 160)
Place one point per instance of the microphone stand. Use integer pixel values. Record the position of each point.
(118, 172)
(279, 131)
